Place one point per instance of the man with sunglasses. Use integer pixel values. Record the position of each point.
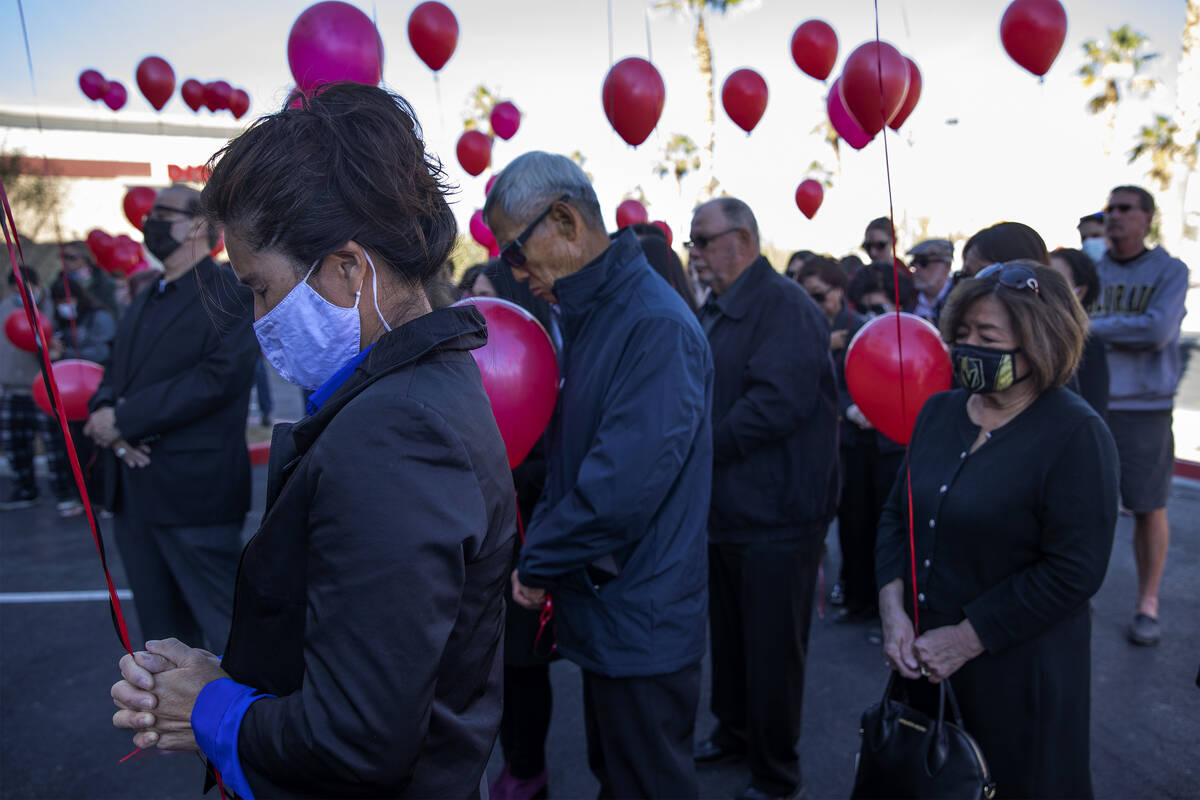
(930, 261)
(171, 414)
(618, 536)
(1138, 315)
(775, 491)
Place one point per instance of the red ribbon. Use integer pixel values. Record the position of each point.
(547, 612)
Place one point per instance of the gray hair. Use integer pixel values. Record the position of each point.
(535, 179)
(737, 213)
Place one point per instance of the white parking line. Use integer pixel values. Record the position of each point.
(61, 597)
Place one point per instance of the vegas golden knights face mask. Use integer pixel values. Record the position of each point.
(981, 370)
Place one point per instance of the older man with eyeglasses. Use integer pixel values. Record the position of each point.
(775, 491)
(618, 535)
(930, 261)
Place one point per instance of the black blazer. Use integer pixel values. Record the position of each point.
(179, 378)
(371, 600)
(775, 427)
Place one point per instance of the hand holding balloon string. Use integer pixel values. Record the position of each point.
(158, 690)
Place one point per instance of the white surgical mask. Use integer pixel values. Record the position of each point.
(1095, 247)
(307, 338)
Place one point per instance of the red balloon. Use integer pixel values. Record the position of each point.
(115, 95)
(633, 97)
(841, 120)
(474, 151)
(744, 95)
(144, 265)
(100, 244)
(815, 48)
(911, 98)
(156, 80)
(631, 212)
(137, 204)
(809, 195)
(332, 42)
(873, 371)
(239, 103)
(520, 373)
(666, 229)
(77, 381)
(217, 95)
(126, 253)
(1033, 32)
(861, 88)
(16, 328)
(480, 232)
(506, 118)
(433, 33)
(192, 92)
(93, 84)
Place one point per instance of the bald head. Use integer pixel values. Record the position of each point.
(177, 212)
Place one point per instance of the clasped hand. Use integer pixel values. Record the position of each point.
(527, 596)
(157, 691)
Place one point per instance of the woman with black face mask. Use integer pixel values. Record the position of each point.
(1014, 499)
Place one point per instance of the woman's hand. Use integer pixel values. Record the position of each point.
(942, 651)
(898, 631)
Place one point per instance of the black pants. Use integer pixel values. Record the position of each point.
(182, 578)
(639, 733)
(526, 719)
(867, 477)
(761, 599)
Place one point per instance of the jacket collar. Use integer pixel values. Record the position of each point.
(459, 328)
(601, 277)
(743, 295)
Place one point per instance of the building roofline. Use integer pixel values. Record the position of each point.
(11, 118)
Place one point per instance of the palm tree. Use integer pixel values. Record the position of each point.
(697, 8)
(1161, 141)
(478, 112)
(1118, 65)
(680, 156)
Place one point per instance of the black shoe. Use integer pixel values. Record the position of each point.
(710, 751)
(836, 596)
(19, 498)
(752, 792)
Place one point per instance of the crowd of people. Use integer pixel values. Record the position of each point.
(407, 588)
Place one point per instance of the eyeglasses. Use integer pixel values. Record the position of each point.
(818, 296)
(924, 261)
(1011, 277)
(156, 212)
(702, 242)
(1124, 208)
(511, 254)
(869, 246)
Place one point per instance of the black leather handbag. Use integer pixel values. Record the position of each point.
(905, 754)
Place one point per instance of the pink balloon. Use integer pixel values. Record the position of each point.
(850, 131)
(332, 42)
(92, 83)
(520, 373)
(506, 118)
(115, 95)
(480, 232)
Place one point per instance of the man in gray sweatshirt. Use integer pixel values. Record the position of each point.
(1138, 316)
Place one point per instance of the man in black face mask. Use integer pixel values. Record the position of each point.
(171, 409)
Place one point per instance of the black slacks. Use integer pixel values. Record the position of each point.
(761, 599)
(182, 578)
(528, 703)
(639, 733)
(867, 478)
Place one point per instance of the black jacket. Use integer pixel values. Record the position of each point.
(629, 451)
(371, 599)
(775, 427)
(179, 376)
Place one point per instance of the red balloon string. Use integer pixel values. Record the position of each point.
(912, 550)
(16, 256)
(547, 612)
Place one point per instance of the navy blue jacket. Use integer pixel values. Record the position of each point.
(775, 427)
(629, 454)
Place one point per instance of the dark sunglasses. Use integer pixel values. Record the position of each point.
(1124, 208)
(818, 296)
(925, 261)
(702, 242)
(1011, 277)
(869, 246)
(511, 254)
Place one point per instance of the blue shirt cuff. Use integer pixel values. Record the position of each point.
(216, 721)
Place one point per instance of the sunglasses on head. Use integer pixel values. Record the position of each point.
(699, 242)
(512, 254)
(1011, 277)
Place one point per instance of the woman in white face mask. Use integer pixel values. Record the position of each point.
(364, 655)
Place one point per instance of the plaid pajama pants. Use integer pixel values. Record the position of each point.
(21, 421)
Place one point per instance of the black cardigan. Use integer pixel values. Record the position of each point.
(1015, 536)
